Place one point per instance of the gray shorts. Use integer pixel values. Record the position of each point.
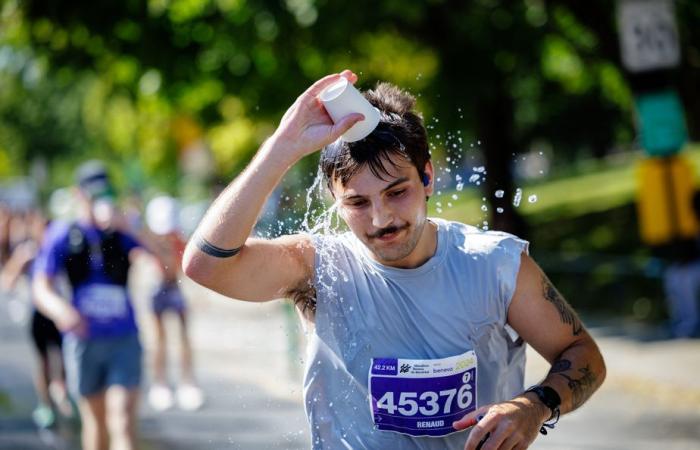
(95, 364)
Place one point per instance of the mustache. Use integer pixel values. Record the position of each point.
(387, 230)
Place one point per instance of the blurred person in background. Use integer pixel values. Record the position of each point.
(167, 246)
(102, 351)
(5, 219)
(48, 380)
(682, 286)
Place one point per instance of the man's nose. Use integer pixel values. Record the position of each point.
(382, 216)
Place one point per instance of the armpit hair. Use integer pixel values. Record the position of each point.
(304, 298)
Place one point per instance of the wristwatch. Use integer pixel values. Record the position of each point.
(549, 397)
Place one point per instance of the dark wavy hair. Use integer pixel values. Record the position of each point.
(400, 132)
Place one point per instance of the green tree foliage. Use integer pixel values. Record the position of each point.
(119, 79)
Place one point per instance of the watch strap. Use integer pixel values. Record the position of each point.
(549, 398)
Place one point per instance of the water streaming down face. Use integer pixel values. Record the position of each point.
(452, 174)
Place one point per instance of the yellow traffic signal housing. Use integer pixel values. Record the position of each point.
(664, 200)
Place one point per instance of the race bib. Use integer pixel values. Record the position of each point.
(103, 302)
(422, 397)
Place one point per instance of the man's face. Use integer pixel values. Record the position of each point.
(388, 216)
(100, 211)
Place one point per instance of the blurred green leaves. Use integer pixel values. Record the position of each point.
(79, 81)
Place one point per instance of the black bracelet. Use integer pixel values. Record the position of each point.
(550, 398)
(212, 250)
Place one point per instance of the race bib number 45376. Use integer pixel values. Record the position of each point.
(422, 397)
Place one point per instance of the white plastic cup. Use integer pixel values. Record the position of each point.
(340, 99)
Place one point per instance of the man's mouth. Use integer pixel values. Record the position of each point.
(387, 234)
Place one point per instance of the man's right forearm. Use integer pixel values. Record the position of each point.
(231, 218)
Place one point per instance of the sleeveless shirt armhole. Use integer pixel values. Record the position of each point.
(513, 248)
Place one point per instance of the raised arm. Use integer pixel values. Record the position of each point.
(221, 255)
(544, 319)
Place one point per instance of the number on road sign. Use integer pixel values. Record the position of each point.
(648, 34)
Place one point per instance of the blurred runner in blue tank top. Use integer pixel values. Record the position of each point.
(419, 324)
(101, 347)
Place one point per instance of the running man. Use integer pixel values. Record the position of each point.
(101, 347)
(419, 323)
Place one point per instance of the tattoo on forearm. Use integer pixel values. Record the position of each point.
(560, 365)
(566, 313)
(581, 388)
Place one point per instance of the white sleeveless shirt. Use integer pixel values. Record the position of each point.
(456, 302)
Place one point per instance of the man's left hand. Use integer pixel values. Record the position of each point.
(504, 426)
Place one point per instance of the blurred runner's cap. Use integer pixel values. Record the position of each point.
(93, 180)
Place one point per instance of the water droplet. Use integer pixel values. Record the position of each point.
(499, 210)
(532, 198)
(474, 178)
(460, 186)
(484, 208)
(455, 196)
(499, 193)
(518, 197)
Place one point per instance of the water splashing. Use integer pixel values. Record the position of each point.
(518, 197)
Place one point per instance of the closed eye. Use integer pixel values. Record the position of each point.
(356, 203)
(397, 193)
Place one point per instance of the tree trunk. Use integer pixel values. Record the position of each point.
(495, 130)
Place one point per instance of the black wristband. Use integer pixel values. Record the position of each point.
(549, 398)
(212, 250)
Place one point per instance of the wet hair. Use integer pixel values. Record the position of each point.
(400, 132)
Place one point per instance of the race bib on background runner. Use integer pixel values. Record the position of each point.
(103, 302)
(422, 397)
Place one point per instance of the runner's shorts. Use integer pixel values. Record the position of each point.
(168, 297)
(92, 365)
(44, 333)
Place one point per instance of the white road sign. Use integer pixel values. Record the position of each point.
(648, 34)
